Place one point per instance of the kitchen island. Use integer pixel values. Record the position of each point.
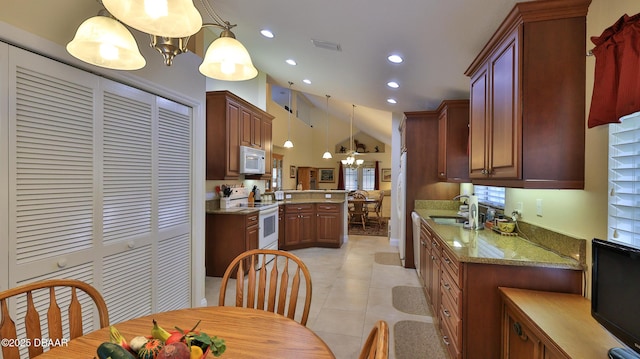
(462, 269)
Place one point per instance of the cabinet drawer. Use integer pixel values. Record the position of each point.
(451, 265)
(450, 290)
(302, 207)
(328, 207)
(450, 343)
(449, 316)
(252, 220)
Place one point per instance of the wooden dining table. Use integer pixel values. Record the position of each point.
(248, 333)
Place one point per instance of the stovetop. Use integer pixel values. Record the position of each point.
(260, 205)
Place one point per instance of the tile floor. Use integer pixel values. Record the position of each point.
(350, 293)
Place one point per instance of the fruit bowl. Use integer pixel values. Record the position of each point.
(506, 227)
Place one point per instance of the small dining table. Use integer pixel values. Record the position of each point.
(248, 333)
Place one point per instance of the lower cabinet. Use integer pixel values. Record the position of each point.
(312, 224)
(226, 236)
(465, 300)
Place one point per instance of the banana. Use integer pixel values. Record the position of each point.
(117, 338)
(158, 332)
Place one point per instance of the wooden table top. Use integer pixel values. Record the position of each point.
(248, 333)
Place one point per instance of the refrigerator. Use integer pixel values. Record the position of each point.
(401, 187)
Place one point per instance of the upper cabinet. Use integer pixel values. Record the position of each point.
(527, 110)
(453, 141)
(232, 122)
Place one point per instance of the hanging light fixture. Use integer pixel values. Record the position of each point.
(103, 41)
(169, 23)
(351, 160)
(288, 143)
(327, 154)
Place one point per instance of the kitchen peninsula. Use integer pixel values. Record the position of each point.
(462, 269)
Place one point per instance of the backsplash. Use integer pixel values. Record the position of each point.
(568, 246)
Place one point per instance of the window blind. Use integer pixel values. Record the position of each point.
(489, 195)
(624, 180)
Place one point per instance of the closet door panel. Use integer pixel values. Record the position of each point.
(51, 173)
(4, 165)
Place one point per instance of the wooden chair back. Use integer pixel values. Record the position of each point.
(265, 284)
(358, 213)
(377, 344)
(54, 317)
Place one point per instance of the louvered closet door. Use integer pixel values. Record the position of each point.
(128, 215)
(51, 169)
(4, 158)
(174, 205)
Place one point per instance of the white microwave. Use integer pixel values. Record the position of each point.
(251, 160)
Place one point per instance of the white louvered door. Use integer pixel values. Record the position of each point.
(4, 159)
(98, 186)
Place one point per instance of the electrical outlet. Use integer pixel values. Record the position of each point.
(519, 208)
(539, 207)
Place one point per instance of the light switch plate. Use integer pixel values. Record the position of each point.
(287, 196)
(327, 195)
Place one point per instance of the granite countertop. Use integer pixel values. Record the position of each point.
(311, 200)
(487, 246)
(249, 210)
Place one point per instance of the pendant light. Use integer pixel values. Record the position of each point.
(104, 41)
(288, 143)
(327, 154)
(351, 161)
(168, 18)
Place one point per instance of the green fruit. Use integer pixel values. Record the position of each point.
(151, 349)
(108, 350)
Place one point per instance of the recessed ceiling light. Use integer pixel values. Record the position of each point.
(267, 33)
(392, 101)
(291, 62)
(307, 81)
(396, 59)
(393, 84)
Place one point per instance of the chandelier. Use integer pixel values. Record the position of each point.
(104, 41)
(351, 160)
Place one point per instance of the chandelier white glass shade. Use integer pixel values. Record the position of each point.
(351, 160)
(169, 23)
(103, 41)
(168, 18)
(288, 143)
(327, 154)
(227, 59)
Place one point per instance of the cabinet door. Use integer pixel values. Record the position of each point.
(256, 131)
(504, 159)
(329, 224)
(518, 341)
(246, 124)
(307, 227)
(233, 139)
(292, 228)
(267, 146)
(281, 227)
(434, 280)
(478, 124)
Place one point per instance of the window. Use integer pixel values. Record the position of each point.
(363, 177)
(488, 195)
(624, 180)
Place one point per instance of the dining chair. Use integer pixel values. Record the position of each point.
(378, 208)
(377, 344)
(358, 213)
(260, 285)
(33, 295)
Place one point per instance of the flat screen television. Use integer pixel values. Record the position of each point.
(615, 290)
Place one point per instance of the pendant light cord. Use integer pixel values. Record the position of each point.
(289, 110)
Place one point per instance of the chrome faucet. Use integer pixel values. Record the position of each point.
(460, 196)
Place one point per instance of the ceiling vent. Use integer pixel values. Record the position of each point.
(326, 45)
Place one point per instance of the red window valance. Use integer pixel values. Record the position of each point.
(616, 88)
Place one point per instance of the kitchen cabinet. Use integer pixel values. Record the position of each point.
(226, 236)
(453, 141)
(527, 107)
(528, 331)
(329, 220)
(312, 224)
(267, 146)
(299, 224)
(466, 299)
(281, 222)
(232, 122)
(308, 177)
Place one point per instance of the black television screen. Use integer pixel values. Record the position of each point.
(615, 291)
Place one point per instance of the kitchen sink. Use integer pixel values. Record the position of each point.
(455, 221)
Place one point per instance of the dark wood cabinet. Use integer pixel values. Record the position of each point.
(527, 114)
(465, 299)
(281, 226)
(299, 224)
(232, 122)
(267, 146)
(329, 220)
(453, 141)
(226, 236)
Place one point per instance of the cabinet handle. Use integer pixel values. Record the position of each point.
(447, 286)
(446, 260)
(441, 173)
(433, 258)
(445, 339)
(446, 312)
(484, 171)
(518, 329)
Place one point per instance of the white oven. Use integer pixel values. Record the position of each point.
(268, 217)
